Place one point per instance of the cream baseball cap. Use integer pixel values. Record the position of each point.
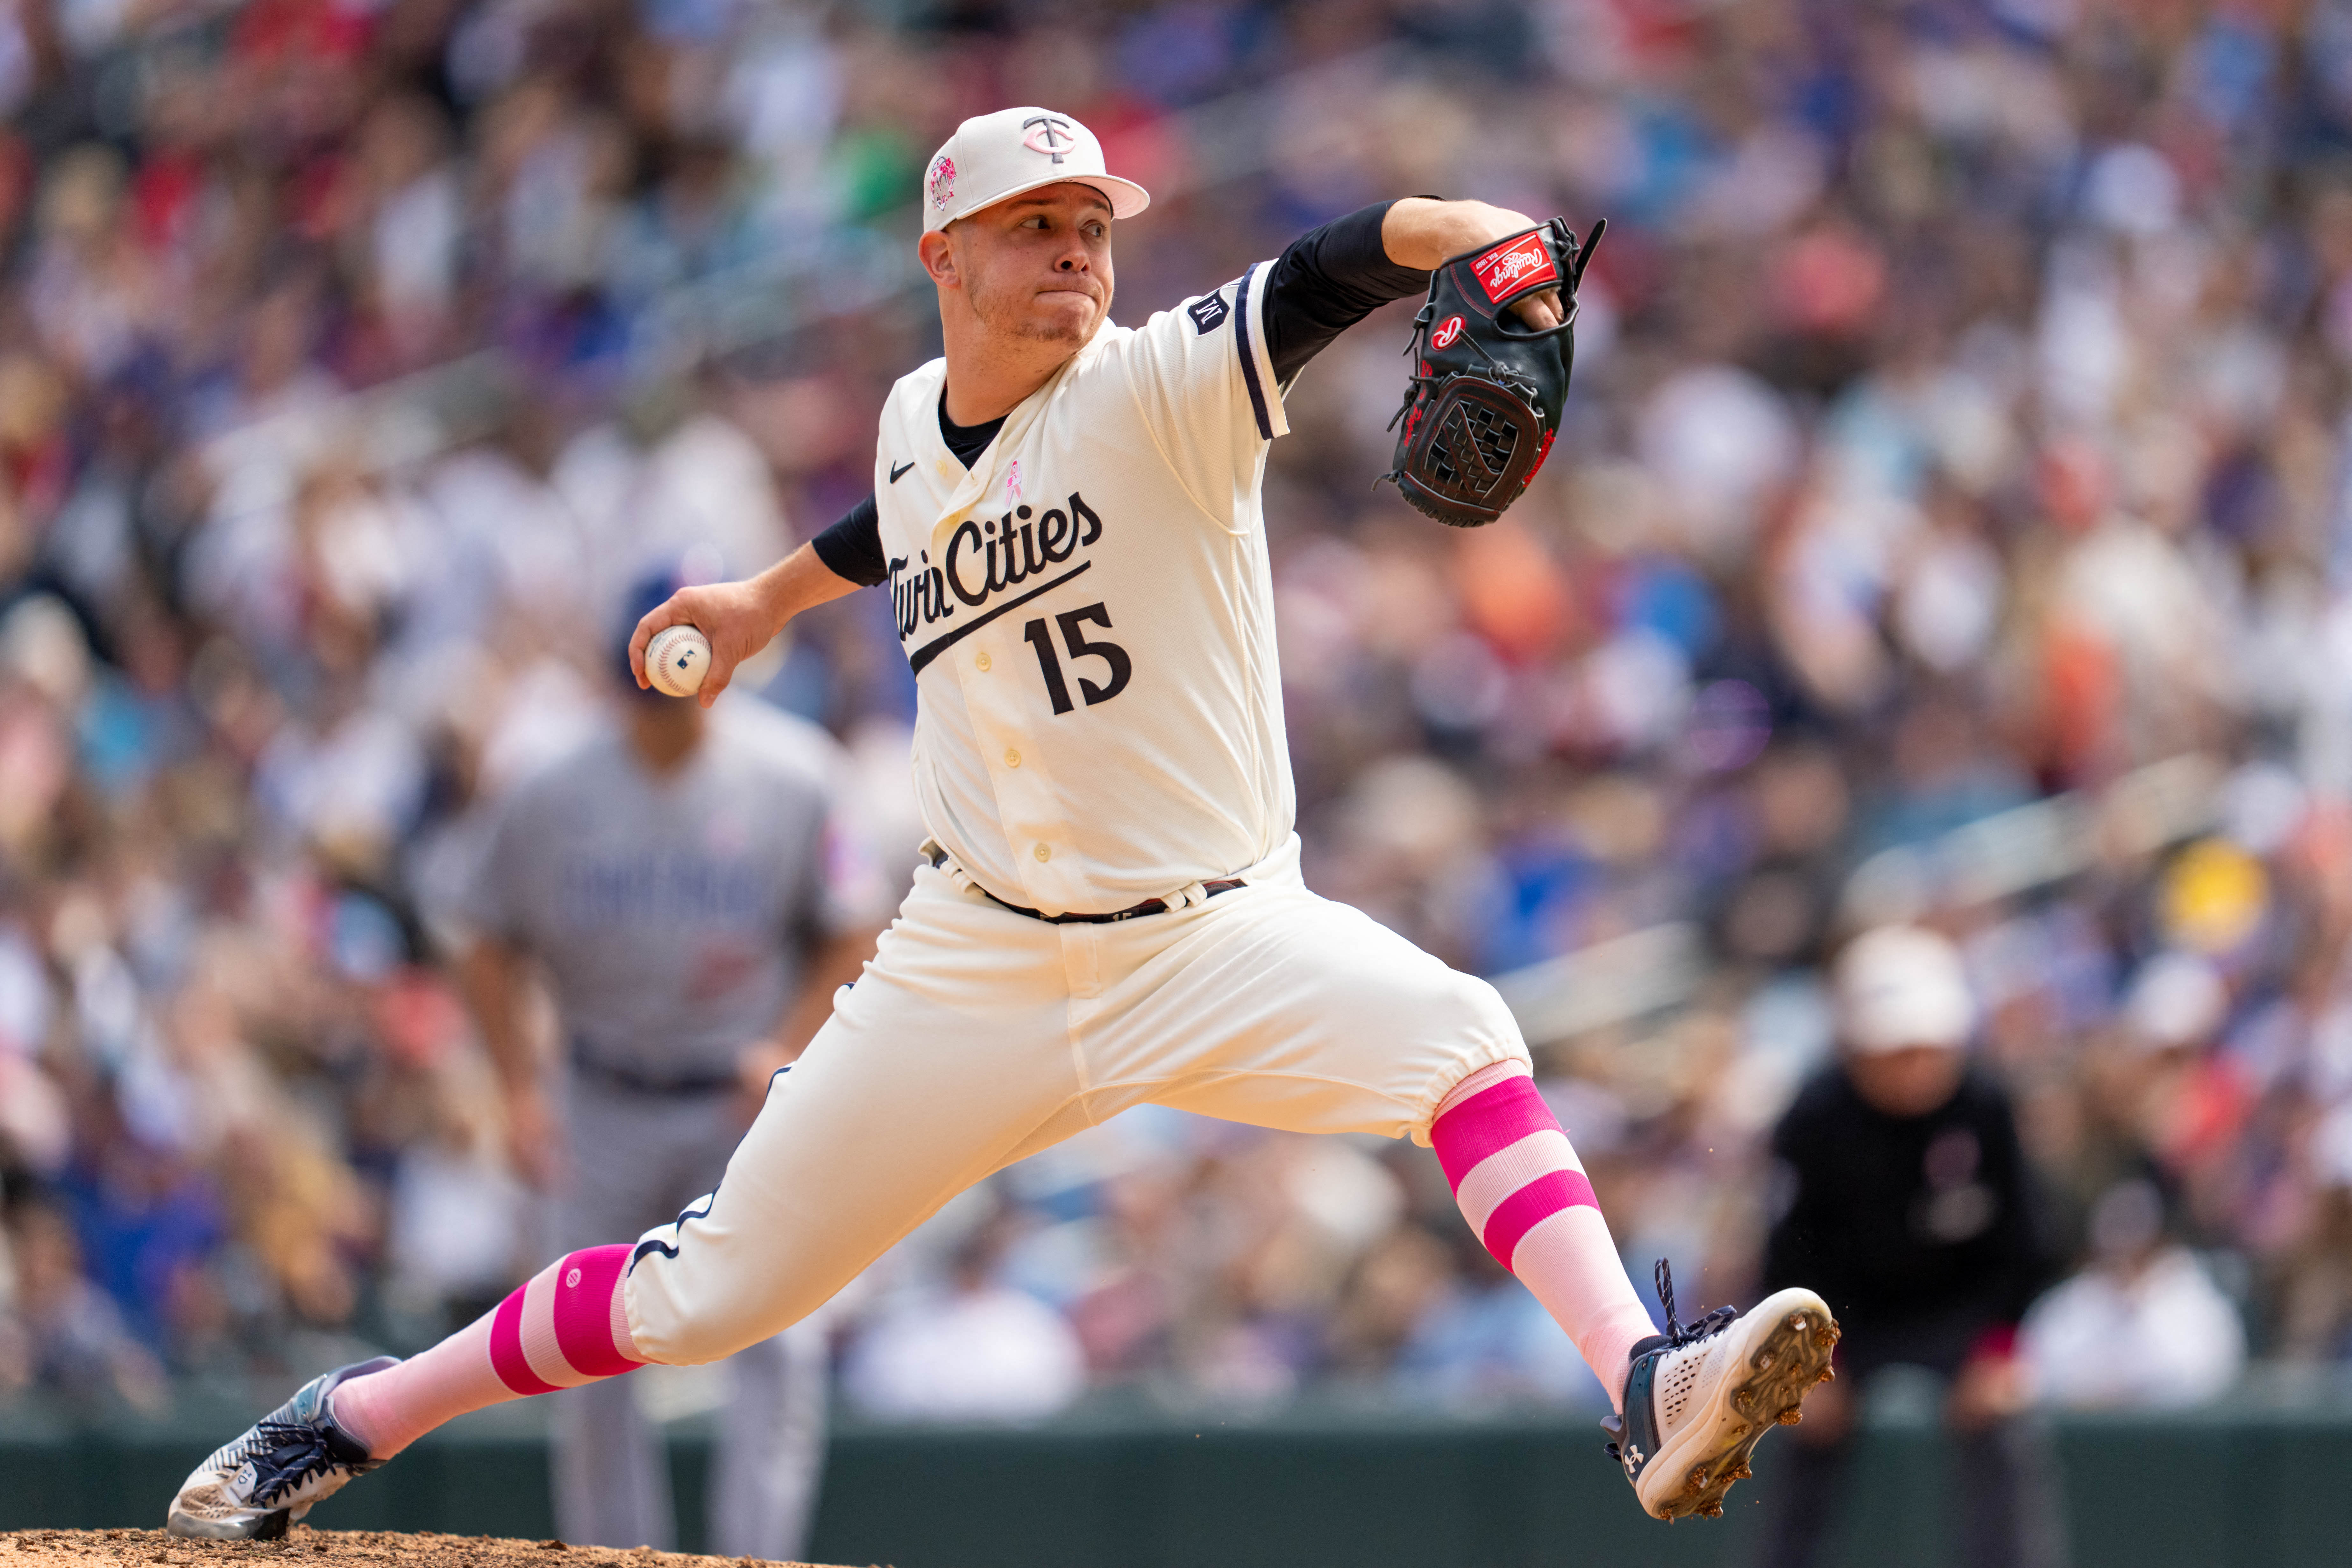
(1903, 985)
(992, 156)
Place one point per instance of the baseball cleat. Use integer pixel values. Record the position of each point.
(286, 1463)
(1700, 1397)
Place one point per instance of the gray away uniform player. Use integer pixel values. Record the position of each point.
(1109, 912)
(680, 880)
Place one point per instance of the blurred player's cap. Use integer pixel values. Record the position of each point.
(647, 595)
(1903, 985)
(993, 156)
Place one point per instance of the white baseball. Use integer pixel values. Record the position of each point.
(677, 660)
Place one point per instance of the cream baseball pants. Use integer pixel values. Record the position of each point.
(977, 1036)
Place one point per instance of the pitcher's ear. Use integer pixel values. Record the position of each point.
(936, 252)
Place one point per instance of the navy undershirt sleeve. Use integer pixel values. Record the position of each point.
(852, 548)
(1326, 281)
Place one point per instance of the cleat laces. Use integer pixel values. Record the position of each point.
(1681, 1334)
(1678, 1336)
(286, 1456)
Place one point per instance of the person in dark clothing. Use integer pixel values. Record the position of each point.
(1900, 1188)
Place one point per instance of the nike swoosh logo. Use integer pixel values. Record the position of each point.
(899, 471)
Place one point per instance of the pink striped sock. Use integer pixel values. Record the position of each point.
(1522, 1189)
(566, 1327)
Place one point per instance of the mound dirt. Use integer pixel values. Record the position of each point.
(331, 1548)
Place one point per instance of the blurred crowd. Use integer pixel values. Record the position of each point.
(1960, 421)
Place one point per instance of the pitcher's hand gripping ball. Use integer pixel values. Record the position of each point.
(1486, 396)
(676, 660)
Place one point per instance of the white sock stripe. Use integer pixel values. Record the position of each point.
(1574, 1222)
(1570, 1264)
(539, 1343)
(1506, 1170)
(1484, 1078)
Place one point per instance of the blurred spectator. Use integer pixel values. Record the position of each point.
(968, 1349)
(69, 1336)
(1902, 1195)
(2143, 1326)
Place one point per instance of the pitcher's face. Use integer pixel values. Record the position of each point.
(1037, 267)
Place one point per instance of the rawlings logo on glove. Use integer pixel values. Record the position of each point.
(1486, 398)
(1515, 265)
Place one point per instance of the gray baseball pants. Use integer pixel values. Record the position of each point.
(636, 1159)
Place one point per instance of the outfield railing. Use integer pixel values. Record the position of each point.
(2258, 1481)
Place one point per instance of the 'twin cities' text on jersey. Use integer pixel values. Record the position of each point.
(984, 558)
(1088, 614)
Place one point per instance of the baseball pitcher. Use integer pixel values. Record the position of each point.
(1068, 515)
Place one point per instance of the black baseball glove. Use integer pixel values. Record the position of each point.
(1487, 392)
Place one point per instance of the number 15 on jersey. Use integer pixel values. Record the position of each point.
(1049, 663)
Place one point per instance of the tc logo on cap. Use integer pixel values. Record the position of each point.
(1049, 134)
(993, 157)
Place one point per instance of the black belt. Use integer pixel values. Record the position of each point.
(938, 858)
(638, 1083)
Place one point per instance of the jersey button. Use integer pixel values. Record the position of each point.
(1013, 760)
(983, 662)
(1042, 852)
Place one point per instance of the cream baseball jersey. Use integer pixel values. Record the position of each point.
(1089, 614)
